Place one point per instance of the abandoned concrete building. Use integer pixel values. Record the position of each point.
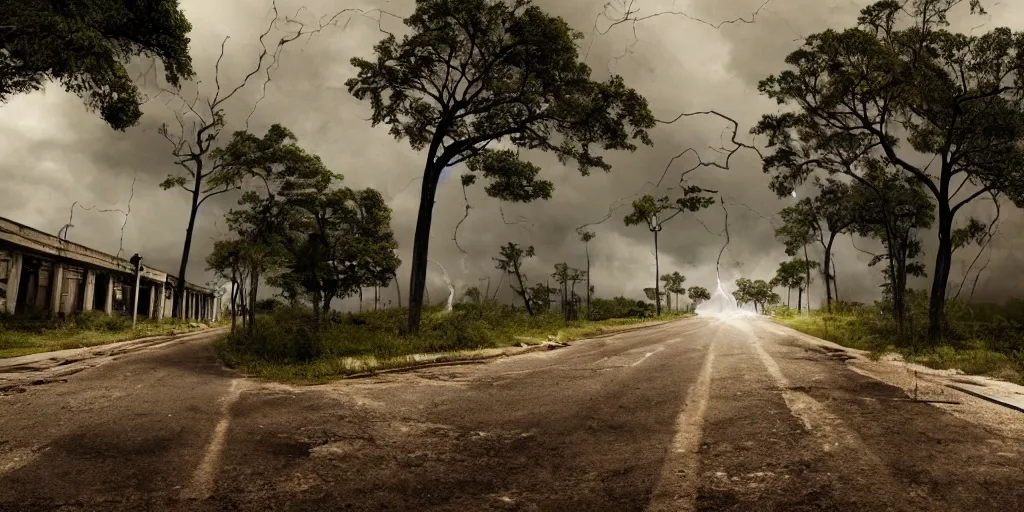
(43, 274)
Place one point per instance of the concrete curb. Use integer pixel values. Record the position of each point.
(988, 398)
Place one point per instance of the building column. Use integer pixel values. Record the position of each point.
(187, 299)
(161, 301)
(90, 290)
(56, 287)
(152, 301)
(14, 282)
(108, 303)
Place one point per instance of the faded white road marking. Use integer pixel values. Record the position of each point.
(646, 355)
(814, 416)
(676, 489)
(830, 430)
(202, 482)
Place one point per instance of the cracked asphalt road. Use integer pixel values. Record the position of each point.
(699, 414)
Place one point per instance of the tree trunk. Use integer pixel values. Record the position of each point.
(588, 280)
(234, 301)
(254, 278)
(835, 285)
(807, 285)
(943, 259)
(789, 297)
(178, 308)
(316, 310)
(398, 289)
(572, 300)
(522, 292)
(799, 298)
(828, 272)
(421, 240)
(242, 300)
(657, 275)
(360, 299)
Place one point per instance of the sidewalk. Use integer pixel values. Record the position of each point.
(49, 366)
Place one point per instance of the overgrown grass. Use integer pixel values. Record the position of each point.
(981, 339)
(22, 335)
(285, 346)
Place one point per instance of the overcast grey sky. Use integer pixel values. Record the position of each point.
(56, 153)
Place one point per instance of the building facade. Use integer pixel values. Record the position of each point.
(42, 274)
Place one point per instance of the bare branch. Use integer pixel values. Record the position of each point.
(120, 247)
(619, 203)
(989, 234)
(853, 241)
(629, 14)
(518, 222)
(700, 162)
(455, 236)
(718, 262)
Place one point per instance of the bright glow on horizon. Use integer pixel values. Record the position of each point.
(721, 304)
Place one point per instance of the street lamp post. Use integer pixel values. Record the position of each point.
(136, 261)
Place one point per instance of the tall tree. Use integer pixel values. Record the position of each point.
(674, 285)
(335, 240)
(799, 229)
(561, 276)
(586, 237)
(227, 260)
(698, 294)
(540, 296)
(575, 276)
(511, 262)
(901, 72)
(832, 206)
(85, 46)
(656, 212)
(888, 206)
(206, 170)
(744, 292)
(789, 276)
(472, 73)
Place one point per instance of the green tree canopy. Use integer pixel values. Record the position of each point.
(852, 94)
(890, 207)
(472, 73)
(85, 46)
(698, 294)
(331, 240)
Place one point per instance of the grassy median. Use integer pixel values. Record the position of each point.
(981, 339)
(23, 335)
(284, 345)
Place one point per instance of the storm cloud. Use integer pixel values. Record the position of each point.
(55, 153)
